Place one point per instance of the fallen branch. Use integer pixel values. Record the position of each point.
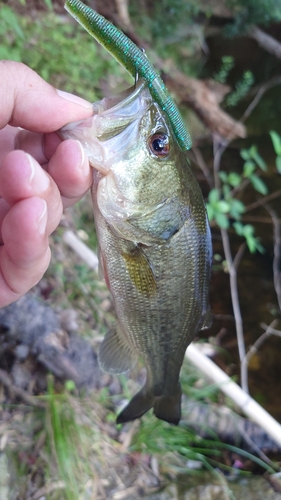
(46, 490)
(81, 249)
(247, 404)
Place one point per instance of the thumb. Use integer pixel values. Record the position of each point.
(27, 101)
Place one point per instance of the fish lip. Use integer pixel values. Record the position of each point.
(105, 105)
(94, 132)
(121, 102)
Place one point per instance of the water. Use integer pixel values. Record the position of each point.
(255, 278)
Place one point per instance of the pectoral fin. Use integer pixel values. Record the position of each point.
(115, 354)
(140, 271)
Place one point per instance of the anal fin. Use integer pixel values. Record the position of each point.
(115, 354)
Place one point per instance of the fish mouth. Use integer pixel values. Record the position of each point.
(112, 126)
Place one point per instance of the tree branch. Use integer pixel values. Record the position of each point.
(204, 99)
(266, 41)
(248, 405)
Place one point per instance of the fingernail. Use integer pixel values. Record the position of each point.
(42, 219)
(83, 165)
(42, 180)
(74, 98)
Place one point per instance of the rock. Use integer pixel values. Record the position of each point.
(208, 492)
(207, 486)
(32, 332)
(169, 493)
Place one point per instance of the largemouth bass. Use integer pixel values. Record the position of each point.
(154, 241)
(154, 237)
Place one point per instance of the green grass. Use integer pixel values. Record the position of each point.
(61, 52)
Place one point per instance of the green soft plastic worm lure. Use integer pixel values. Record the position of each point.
(133, 59)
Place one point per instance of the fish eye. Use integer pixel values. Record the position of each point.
(159, 145)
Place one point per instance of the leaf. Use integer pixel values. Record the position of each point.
(251, 242)
(258, 184)
(278, 164)
(260, 161)
(238, 226)
(249, 168)
(223, 176)
(234, 179)
(239, 205)
(253, 151)
(225, 191)
(222, 207)
(276, 140)
(11, 20)
(213, 196)
(210, 211)
(244, 153)
(221, 220)
(237, 208)
(248, 230)
(259, 246)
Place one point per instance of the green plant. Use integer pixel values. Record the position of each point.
(223, 205)
(227, 63)
(63, 439)
(159, 438)
(242, 87)
(10, 29)
(249, 12)
(276, 141)
(62, 53)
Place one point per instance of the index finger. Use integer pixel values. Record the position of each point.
(27, 101)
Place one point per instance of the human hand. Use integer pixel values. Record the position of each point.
(39, 174)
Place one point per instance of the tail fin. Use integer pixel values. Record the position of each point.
(166, 408)
(140, 404)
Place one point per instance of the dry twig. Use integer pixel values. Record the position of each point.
(18, 392)
(232, 265)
